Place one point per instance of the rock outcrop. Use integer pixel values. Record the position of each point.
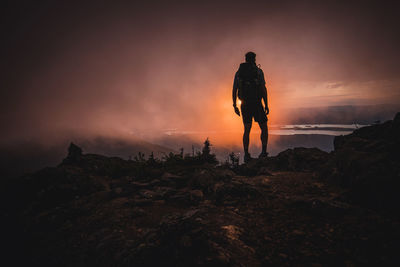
(367, 163)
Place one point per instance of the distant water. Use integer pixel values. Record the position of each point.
(325, 129)
(288, 129)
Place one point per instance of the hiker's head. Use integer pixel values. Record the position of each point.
(250, 57)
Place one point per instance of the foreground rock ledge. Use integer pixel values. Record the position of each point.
(303, 207)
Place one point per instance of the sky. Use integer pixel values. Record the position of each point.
(141, 68)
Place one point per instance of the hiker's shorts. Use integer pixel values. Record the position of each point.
(253, 110)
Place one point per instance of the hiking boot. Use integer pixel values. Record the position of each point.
(247, 158)
(263, 155)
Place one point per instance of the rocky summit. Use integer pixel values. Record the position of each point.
(303, 207)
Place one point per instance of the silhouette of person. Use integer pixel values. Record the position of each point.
(249, 86)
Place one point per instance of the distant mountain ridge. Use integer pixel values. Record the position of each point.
(363, 114)
(18, 159)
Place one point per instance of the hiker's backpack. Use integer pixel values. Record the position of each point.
(249, 83)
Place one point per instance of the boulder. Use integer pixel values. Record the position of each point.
(367, 163)
(299, 159)
(74, 154)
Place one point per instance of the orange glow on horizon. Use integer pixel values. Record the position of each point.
(228, 120)
(224, 127)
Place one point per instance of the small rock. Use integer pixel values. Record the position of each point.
(143, 202)
(117, 190)
(140, 185)
(186, 241)
(159, 202)
(74, 154)
(147, 194)
(74, 151)
(283, 255)
(196, 195)
(298, 232)
(137, 212)
(168, 175)
(264, 171)
(190, 213)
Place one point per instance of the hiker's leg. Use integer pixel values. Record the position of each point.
(264, 136)
(246, 137)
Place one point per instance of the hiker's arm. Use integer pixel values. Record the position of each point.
(234, 94)
(264, 93)
(265, 97)
(235, 90)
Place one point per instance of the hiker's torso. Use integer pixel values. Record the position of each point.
(250, 81)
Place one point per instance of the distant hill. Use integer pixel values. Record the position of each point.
(366, 114)
(16, 159)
